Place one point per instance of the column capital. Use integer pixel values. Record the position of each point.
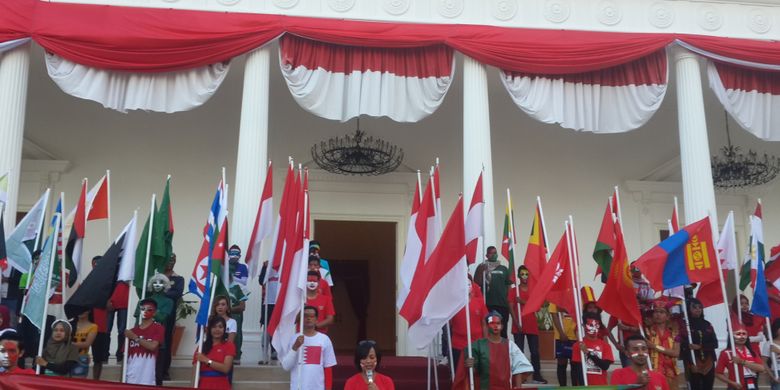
(680, 53)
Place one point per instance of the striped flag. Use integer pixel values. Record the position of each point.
(264, 224)
(76, 238)
(475, 222)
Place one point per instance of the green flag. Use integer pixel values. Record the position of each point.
(157, 261)
(36, 296)
(162, 234)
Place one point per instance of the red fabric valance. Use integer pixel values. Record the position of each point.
(157, 40)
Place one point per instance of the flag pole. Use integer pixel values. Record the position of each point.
(618, 212)
(148, 245)
(212, 287)
(468, 332)
(48, 290)
(768, 324)
(127, 317)
(685, 300)
(35, 247)
(728, 316)
(438, 230)
(304, 267)
(61, 251)
(513, 244)
(108, 202)
(576, 292)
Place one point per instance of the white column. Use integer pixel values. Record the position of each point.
(14, 72)
(476, 142)
(698, 191)
(251, 165)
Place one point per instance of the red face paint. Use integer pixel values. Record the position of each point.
(9, 353)
(494, 325)
(148, 311)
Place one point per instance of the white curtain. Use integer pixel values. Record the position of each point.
(750, 96)
(123, 91)
(613, 100)
(8, 45)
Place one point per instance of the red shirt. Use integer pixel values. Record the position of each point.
(774, 307)
(596, 376)
(382, 382)
(530, 326)
(627, 376)
(324, 305)
(613, 322)
(325, 288)
(20, 371)
(220, 381)
(726, 364)
(100, 316)
(119, 296)
(154, 332)
(477, 313)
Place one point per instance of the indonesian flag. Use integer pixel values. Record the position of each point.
(612, 100)
(76, 237)
(555, 282)
(264, 224)
(97, 200)
(342, 82)
(416, 242)
(755, 251)
(284, 219)
(475, 222)
(292, 283)
(439, 287)
(536, 250)
(749, 95)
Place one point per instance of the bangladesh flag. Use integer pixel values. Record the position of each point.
(156, 262)
(605, 244)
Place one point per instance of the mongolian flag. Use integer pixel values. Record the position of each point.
(686, 257)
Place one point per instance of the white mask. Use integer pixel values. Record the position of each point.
(312, 285)
(158, 285)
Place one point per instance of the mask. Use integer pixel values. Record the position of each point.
(148, 312)
(494, 326)
(592, 327)
(9, 354)
(312, 285)
(524, 275)
(158, 285)
(233, 260)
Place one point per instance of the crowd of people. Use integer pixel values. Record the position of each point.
(669, 349)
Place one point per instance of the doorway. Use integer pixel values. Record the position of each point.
(362, 260)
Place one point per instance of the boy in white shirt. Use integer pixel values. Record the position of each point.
(313, 353)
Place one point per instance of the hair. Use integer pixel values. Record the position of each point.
(522, 268)
(216, 301)
(97, 258)
(691, 302)
(314, 273)
(493, 313)
(148, 301)
(234, 246)
(313, 258)
(12, 335)
(363, 349)
(316, 311)
(159, 277)
(633, 337)
(314, 243)
(590, 316)
(209, 341)
(489, 248)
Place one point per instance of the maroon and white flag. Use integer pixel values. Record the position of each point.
(751, 97)
(439, 288)
(475, 222)
(264, 224)
(612, 100)
(342, 82)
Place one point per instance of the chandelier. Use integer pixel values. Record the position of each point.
(357, 154)
(732, 169)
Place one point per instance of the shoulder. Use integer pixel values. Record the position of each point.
(354, 381)
(230, 348)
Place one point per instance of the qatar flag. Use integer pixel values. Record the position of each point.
(612, 100)
(342, 82)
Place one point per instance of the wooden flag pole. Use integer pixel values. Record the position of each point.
(576, 292)
(304, 267)
(53, 254)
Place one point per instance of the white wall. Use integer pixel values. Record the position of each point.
(572, 172)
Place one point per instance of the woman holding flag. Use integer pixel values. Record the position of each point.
(748, 362)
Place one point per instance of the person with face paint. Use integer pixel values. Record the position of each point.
(477, 312)
(749, 363)
(11, 350)
(314, 250)
(754, 324)
(598, 353)
(494, 280)
(530, 328)
(145, 340)
(699, 373)
(217, 357)
(59, 356)
(638, 371)
(497, 362)
(323, 303)
(663, 340)
(314, 266)
(367, 359)
(155, 290)
(311, 352)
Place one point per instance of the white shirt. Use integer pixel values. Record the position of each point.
(312, 357)
(232, 326)
(518, 362)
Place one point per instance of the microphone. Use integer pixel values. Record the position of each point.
(370, 376)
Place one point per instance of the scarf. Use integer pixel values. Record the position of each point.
(59, 352)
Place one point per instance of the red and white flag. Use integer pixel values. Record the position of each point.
(612, 100)
(433, 222)
(97, 200)
(292, 283)
(340, 82)
(264, 224)
(439, 288)
(416, 239)
(282, 219)
(475, 222)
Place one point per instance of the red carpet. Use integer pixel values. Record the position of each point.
(408, 373)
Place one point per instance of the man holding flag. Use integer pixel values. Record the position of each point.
(494, 278)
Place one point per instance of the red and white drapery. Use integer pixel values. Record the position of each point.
(565, 77)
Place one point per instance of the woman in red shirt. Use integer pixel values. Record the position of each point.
(367, 358)
(748, 362)
(217, 357)
(754, 324)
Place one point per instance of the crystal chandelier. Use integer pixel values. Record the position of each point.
(732, 169)
(357, 154)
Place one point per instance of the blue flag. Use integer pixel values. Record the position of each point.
(760, 304)
(36, 297)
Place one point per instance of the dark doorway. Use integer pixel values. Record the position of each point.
(362, 261)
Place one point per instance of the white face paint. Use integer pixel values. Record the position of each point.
(591, 327)
(5, 360)
(158, 285)
(312, 285)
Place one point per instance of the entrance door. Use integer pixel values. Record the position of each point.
(362, 261)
